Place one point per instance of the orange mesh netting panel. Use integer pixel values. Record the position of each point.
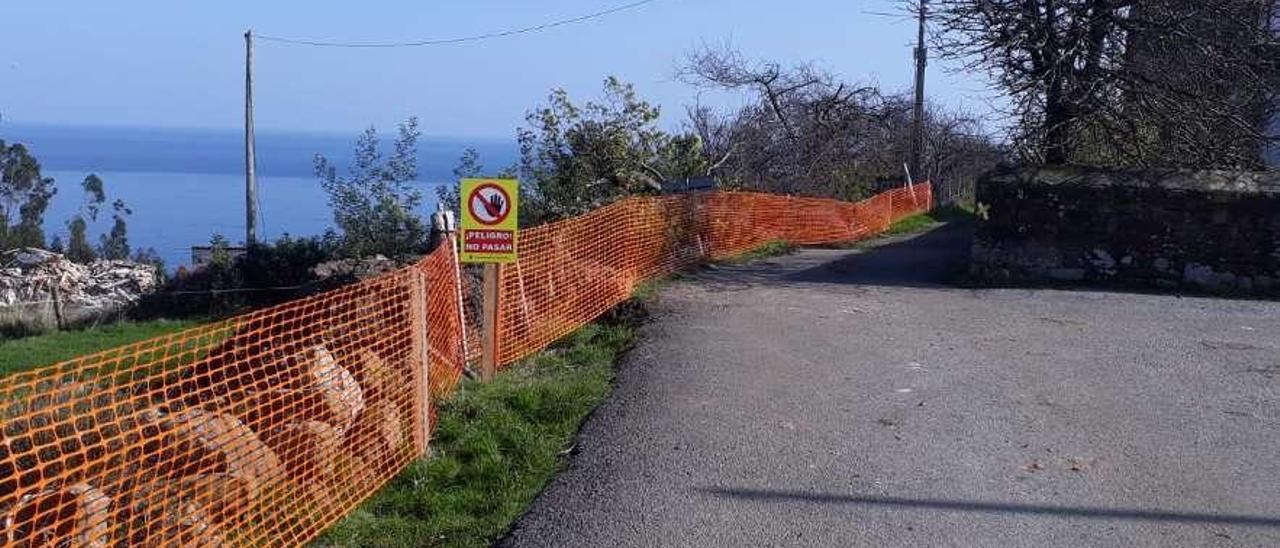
(571, 271)
(446, 320)
(574, 270)
(268, 427)
(258, 430)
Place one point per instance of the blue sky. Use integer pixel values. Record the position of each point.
(174, 63)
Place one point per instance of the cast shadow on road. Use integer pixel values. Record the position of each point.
(772, 495)
(931, 259)
(936, 259)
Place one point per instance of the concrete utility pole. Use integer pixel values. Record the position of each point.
(917, 122)
(250, 177)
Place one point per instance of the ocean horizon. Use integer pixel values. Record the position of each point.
(184, 185)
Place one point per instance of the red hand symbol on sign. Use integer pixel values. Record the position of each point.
(489, 204)
(493, 205)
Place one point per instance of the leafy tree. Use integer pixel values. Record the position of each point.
(575, 158)
(24, 197)
(78, 247)
(95, 195)
(375, 205)
(114, 245)
(151, 257)
(469, 166)
(26, 193)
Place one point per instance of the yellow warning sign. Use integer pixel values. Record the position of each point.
(490, 210)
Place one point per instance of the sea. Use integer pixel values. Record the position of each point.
(183, 186)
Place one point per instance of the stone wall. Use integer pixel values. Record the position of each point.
(1204, 231)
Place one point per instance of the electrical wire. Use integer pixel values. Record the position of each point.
(456, 40)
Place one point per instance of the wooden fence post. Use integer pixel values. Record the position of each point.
(489, 327)
(421, 359)
(461, 301)
(888, 210)
(57, 306)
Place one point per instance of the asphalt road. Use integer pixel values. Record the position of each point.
(845, 398)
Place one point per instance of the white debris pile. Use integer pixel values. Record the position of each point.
(354, 269)
(30, 275)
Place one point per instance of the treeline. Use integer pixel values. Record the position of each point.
(25, 194)
(806, 131)
(803, 132)
(1098, 82)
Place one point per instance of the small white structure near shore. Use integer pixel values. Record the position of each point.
(202, 255)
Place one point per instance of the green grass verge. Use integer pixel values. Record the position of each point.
(648, 290)
(496, 446)
(908, 225)
(35, 351)
(769, 249)
(916, 223)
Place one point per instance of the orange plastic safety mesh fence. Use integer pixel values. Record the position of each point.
(571, 271)
(258, 430)
(447, 328)
(266, 428)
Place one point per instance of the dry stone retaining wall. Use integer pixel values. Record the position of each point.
(1211, 231)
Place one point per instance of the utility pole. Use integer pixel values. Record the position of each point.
(917, 122)
(250, 177)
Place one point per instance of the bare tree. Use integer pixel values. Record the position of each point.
(806, 131)
(1124, 82)
(956, 153)
(1201, 79)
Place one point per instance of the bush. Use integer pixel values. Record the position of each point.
(267, 274)
(575, 158)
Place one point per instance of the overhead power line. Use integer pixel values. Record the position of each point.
(459, 39)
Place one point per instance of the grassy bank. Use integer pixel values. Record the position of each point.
(35, 351)
(496, 445)
(772, 248)
(495, 448)
(916, 223)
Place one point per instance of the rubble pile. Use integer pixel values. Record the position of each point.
(33, 276)
(354, 269)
